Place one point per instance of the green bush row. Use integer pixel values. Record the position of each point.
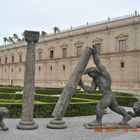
(38, 97)
(126, 100)
(45, 110)
(122, 100)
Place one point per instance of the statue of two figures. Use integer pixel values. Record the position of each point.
(101, 79)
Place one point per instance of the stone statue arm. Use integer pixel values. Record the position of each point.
(87, 88)
(102, 70)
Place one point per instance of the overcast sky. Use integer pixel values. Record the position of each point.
(19, 15)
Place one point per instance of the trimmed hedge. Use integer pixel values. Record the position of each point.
(82, 103)
(126, 100)
(45, 110)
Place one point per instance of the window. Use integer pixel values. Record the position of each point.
(5, 60)
(64, 52)
(98, 47)
(122, 45)
(12, 70)
(79, 50)
(51, 53)
(39, 55)
(19, 69)
(39, 68)
(64, 67)
(12, 81)
(20, 58)
(51, 68)
(122, 64)
(12, 59)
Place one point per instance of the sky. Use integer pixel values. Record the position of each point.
(42, 15)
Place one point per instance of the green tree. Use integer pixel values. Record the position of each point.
(5, 40)
(15, 37)
(43, 33)
(10, 39)
(56, 29)
(19, 39)
(23, 38)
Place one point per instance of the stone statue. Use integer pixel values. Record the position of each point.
(67, 93)
(136, 113)
(3, 113)
(102, 80)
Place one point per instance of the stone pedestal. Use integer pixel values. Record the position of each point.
(29, 83)
(108, 126)
(27, 125)
(67, 93)
(57, 124)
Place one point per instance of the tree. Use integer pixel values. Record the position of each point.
(23, 38)
(19, 39)
(43, 33)
(5, 40)
(56, 29)
(10, 39)
(15, 37)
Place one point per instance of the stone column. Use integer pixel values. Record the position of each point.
(67, 93)
(27, 121)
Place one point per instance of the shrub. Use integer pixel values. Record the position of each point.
(45, 110)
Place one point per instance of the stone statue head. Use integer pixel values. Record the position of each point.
(136, 108)
(3, 111)
(91, 71)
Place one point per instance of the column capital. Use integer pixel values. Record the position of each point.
(31, 36)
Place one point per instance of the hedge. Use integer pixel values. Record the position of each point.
(125, 100)
(82, 103)
(45, 110)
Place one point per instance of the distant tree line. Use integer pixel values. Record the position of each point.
(15, 38)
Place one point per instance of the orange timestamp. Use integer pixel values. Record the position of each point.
(113, 129)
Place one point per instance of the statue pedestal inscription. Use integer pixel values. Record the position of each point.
(27, 121)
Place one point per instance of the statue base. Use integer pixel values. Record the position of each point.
(57, 124)
(5, 129)
(27, 125)
(108, 125)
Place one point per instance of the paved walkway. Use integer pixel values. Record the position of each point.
(75, 130)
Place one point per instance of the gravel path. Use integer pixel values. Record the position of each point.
(75, 130)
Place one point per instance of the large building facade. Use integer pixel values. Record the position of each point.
(117, 41)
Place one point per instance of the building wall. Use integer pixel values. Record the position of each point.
(55, 72)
